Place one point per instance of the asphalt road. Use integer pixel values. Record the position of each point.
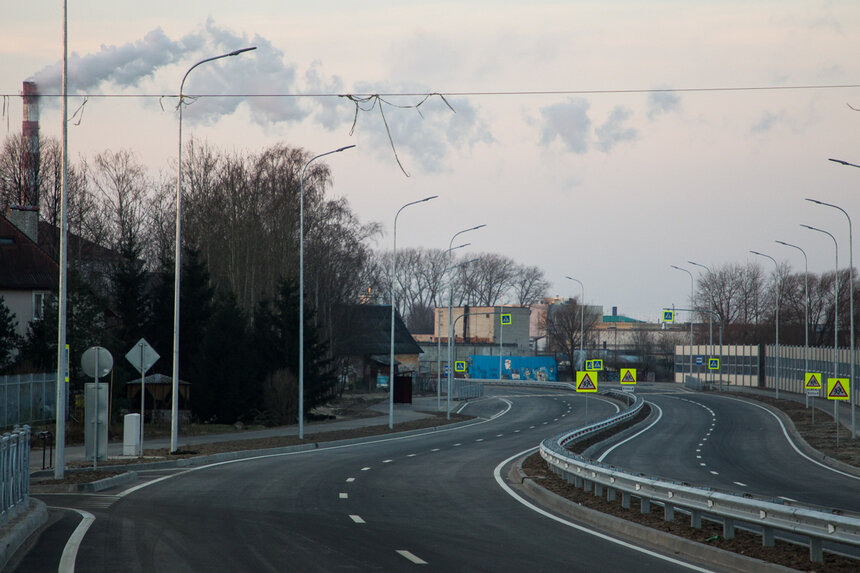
(389, 504)
(726, 443)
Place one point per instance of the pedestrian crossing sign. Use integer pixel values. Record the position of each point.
(628, 376)
(668, 316)
(459, 366)
(596, 364)
(812, 381)
(713, 363)
(837, 388)
(586, 381)
(506, 319)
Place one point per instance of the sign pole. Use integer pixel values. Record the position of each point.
(142, 394)
(96, 433)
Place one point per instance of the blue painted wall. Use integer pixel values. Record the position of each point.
(514, 367)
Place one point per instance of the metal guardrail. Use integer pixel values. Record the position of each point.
(814, 523)
(14, 472)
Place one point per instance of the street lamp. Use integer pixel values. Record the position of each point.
(806, 291)
(451, 313)
(392, 369)
(850, 299)
(776, 270)
(835, 321)
(710, 315)
(692, 304)
(302, 286)
(581, 320)
(174, 419)
(439, 338)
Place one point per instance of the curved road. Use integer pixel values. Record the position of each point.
(387, 504)
(723, 442)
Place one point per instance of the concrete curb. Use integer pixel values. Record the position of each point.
(639, 534)
(16, 533)
(91, 487)
(243, 454)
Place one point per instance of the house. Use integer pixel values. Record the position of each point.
(363, 339)
(27, 274)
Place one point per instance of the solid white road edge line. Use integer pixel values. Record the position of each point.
(791, 442)
(356, 519)
(498, 475)
(139, 487)
(659, 415)
(70, 551)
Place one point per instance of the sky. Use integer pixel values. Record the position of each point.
(603, 140)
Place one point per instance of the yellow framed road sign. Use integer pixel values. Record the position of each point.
(713, 363)
(668, 315)
(596, 364)
(838, 388)
(628, 376)
(459, 366)
(506, 319)
(586, 381)
(812, 381)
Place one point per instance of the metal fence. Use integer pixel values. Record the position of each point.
(27, 399)
(14, 472)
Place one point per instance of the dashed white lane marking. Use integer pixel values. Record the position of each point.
(411, 557)
(698, 450)
(343, 495)
(387, 461)
(480, 440)
(499, 435)
(698, 457)
(435, 450)
(411, 455)
(544, 423)
(365, 469)
(703, 464)
(742, 484)
(531, 427)
(357, 519)
(516, 431)
(457, 445)
(350, 480)
(715, 473)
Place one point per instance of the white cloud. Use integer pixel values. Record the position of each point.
(613, 130)
(568, 122)
(662, 102)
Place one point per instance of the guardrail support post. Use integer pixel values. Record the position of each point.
(767, 536)
(610, 494)
(696, 519)
(578, 481)
(625, 500)
(644, 505)
(728, 528)
(668, 512)
(598, 490)
(586, 485)
(816, 555)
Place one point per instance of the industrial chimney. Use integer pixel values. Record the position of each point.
(25, 215)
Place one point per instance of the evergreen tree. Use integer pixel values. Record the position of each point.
(226, 387)
(129, 294)
(10, 340)
(276, 336)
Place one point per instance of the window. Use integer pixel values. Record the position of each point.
(38, 305)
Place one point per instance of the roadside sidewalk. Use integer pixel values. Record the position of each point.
(421, 407)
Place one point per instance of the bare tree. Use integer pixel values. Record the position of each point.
(564, 324)
(529, 285)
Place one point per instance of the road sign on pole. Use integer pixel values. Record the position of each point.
(586, 381)
(142, 357)
(628, 376)
(713, 363)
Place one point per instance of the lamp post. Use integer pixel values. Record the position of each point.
(835, 321)
(850, 299)
(776, 270)
(692, 304)
(806, 291)
(439, 337)
(302, 286)
(710, 315)
(174, 418)
(392, 369)
(450, 315)
(581, 321)
(62, 355)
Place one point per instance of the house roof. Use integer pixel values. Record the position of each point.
(23, 265)
(365, 329)
(78, 247)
